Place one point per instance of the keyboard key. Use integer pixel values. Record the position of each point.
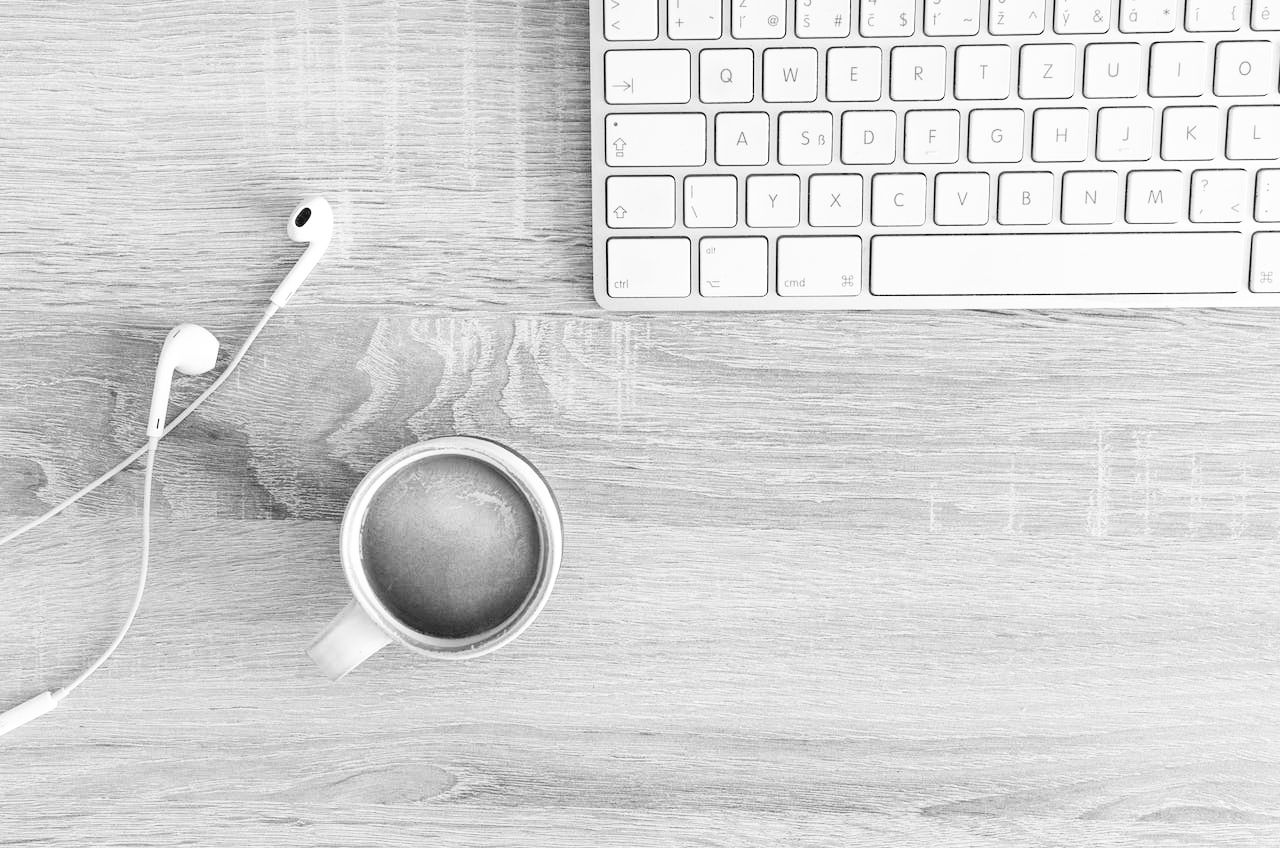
(898, 200)
(835, 200)
(805, 138)
(791, 75)
(888, 18)
(996, 135)
(1253, 132)
(1047, 71)
(1264, 275)
(711, 201)
(983, 72)
(918, 73)
(1218, 197)
(1090, 197)
(1057, 264)
(759, 18)
(1082, 16)
(630, 20)
(962, 200)
(1215, 15)
(1267, 208)
(1025, 199)
(1155, 197)
(1149, 15)
(694, 19)
(773, 200)
(951, 17)
(727, 76)
(1245, 69)
(648, 267)
(1114, 70)
(1060, 135)
(1017, 17)
(932, 137)
(853, 74)
(646, 76)
(742, 138)
(1126, 134)
(1266, 15)
(819, 266)
(1178, 69)
(1191, 133)
(641, 202)
(639, 140)
(823, 19)
(869, 138)
(733, 267)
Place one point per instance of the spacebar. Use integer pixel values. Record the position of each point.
(1058, 264)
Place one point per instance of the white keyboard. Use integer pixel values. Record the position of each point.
(890, 154)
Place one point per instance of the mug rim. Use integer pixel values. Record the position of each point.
(532, 486)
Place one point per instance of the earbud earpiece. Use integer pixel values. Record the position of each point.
(311, 223)
(190, 350)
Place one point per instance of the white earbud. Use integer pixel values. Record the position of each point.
(311, 224)
(189, 349)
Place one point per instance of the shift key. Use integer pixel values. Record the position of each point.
(643, 140)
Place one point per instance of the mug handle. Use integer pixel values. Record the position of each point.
(350, 639)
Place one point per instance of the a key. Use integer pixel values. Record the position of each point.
(1067, 263)
(1267, 208)
(1266, 15)
(773, 201)
(1090, 197)
(1060, 135)
(835, 200)
(887, 18)
(1025, 199)
(1245, 69)
(961, 200)
(918, 73)
(742, 138)
(1047, 71)
(822, 18)
(1253, 132)
(646, 76)
(733, 267)
(1218, 197)
(951, 17)
(1215, 15)
(1113, 70)
(791, 75)
(996, 135)
(1126, 134)
(640, 202)
(869, 138)
(805, 138)
(648, 267)
(1017, 17)
(630, 20)
(1264, 273)
(1155, 197)
(1191, 133)
(1082, 16)
(639, 140)
(711, 201)
(932, 137)
(819, 266)
(1178, 69)
(727, 76)
(694, 19)
(982, 72)
(898, 200)
(759, 18)
(1149, 15)
(853, 74)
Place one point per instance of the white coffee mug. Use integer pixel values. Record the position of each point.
(367, 624)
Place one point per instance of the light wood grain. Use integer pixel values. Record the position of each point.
(961, 579)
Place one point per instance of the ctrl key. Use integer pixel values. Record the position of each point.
(648, 267)
(1264, 274)
(819, 266)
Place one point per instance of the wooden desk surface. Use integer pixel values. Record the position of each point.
(966, 579)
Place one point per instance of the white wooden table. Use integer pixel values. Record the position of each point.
(962, 579)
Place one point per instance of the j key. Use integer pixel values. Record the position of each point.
(655, 140)
(646, 76)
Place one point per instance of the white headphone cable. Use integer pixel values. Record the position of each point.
(136, 455)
